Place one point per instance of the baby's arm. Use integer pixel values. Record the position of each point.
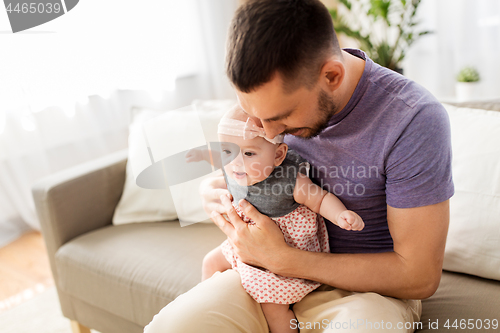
(198, 154)
(326, 204)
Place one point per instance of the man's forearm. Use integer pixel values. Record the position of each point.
(413, 270)
(384, 273)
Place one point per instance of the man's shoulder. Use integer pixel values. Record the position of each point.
(393, 87)
(401, 98)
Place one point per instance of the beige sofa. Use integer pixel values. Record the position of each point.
(116, 278)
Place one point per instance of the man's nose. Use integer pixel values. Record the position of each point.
(273, 129)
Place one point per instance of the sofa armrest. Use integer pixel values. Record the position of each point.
(78, 200)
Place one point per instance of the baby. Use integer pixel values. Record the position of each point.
(275, 180)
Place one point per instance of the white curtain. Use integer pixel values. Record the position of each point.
(33, 145)
(215, 17)
(67, 87)
(466, 33)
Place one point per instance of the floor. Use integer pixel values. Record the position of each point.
(24, 270)
(11, 229)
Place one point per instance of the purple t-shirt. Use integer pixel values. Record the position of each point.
(390, 145)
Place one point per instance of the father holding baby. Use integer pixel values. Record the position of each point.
(378, 141)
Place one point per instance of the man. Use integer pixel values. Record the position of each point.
(377, 140)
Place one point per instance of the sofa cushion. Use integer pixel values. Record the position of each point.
(473, 244)
(118, 267)
(492, 104)
(462, 296)
(139, 204)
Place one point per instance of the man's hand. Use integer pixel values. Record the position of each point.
(211, 190)
(260, 244)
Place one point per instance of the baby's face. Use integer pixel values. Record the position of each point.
(247, 161)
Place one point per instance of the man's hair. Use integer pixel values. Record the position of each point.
(289, 37)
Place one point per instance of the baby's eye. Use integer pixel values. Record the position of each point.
(226, 151)
(249, 153)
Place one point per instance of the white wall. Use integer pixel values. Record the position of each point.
(466, 33)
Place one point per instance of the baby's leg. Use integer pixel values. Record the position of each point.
(214, 261)
(279, 317)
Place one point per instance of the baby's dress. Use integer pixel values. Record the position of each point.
(301, 228)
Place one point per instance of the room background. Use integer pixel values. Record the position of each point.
(67, 87)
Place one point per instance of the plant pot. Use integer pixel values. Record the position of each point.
(466, 91)
(398, 70)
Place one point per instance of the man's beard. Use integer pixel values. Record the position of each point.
(326, 109)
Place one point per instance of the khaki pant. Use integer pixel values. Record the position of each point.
(220, 305)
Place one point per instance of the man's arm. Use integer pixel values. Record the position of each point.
(413, 270)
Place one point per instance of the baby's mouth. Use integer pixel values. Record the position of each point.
(239, 175)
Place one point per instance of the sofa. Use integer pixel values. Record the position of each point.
(115, 277)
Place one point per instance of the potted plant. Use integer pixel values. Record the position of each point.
(384, 29)
(466, 85)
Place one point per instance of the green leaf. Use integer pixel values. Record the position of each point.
(387, 54)
(425, 32)
(468, 74)
(346, 3)
(333, 13)
(400, 58)
(380, 8)
(383, 55)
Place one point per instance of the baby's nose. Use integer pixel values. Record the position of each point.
(238, 161)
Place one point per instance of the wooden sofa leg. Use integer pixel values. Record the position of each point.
(76, 327)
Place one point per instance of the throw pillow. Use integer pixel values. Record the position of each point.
(473, 244)
(150, 140)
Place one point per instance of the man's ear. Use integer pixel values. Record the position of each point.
(332, 74)
(280, 154)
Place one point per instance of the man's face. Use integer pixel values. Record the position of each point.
(303, 113)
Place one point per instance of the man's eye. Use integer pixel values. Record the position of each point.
(248, 153)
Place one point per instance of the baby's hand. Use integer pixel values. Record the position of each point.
(349, 220)
(196, 155)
